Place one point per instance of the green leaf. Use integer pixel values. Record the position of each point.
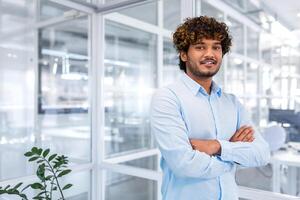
(48, 177)
(33, 158)
(36, 186)
(28, 154)
(46, 152)
(23, 196)
(34, 150)
(17, 186)
(54, 188)
(52, 157)
(64, 172)
(6, 187)
(40, 161)
(39, 151)
(67, 186)
(25, 188)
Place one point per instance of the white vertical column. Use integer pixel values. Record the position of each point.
(96, 75)
(160, 66)
(187, 9)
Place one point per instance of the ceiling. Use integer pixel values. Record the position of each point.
(285, 12)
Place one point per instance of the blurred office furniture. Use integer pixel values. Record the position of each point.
(275, 136)
(290, 158)
(282, 155)
(289, 119)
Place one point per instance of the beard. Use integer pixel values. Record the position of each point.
(198, 72)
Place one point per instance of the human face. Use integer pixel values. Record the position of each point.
(203, 60)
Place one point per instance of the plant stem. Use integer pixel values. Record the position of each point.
(56, 179)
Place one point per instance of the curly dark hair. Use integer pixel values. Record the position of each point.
(195, 29)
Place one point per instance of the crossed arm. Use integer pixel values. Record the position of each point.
(213, 147)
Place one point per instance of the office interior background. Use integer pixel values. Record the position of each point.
(77, 77)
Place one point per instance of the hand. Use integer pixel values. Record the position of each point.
(210, 147)
(244, 134)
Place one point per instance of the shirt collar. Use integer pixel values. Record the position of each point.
(196, 87)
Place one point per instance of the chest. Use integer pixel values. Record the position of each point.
(209, 117)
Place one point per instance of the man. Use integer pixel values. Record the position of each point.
(203, 133)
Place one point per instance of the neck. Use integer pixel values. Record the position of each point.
(205, 82)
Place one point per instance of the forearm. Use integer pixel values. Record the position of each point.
(195, 164)
(210, 147)
(247, 154)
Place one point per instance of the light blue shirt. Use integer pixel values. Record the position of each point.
(184, 111)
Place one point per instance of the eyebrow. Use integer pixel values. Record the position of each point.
(201, 43)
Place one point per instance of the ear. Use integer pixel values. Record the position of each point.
(183, 56)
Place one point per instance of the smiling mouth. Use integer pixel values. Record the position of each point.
(208, 62)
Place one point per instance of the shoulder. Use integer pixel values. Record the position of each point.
(230, 97)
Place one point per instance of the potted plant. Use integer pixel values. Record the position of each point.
(50, 168)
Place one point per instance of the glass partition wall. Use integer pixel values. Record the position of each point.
(94, 109)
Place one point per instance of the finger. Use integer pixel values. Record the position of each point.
(239, 131)
(244, 133)
(245, 137)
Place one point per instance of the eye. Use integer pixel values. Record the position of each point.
(217, 47)
(200, 47)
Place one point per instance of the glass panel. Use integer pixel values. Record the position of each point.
(63, 68)
(251, 104)
(171, 14)
(252, 43)
(145, 12)
(81, 189)
(17, 78)
(252, 79)
(130, 79)
(237, 32)
(49, 9)
(14, 15)
(121, 186)
(219, 77)
(207, 9)
(235, 76)
(171, 70)
(64, 88)
(147, 163)
(258, 177)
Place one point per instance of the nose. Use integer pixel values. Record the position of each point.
(209, 53)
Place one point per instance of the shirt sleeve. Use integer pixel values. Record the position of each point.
(170, 133)
(246, 154)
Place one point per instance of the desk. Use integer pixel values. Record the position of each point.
(288, 157)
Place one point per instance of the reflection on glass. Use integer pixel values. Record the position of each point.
(130, 78)
(237, 32)
(171, 69)
(171, 10)
(16, 103)
(252, 43)
(235, 76)
(120, 186)
(63, 89)
(145, 12)
(207, 9)
(63, 68)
